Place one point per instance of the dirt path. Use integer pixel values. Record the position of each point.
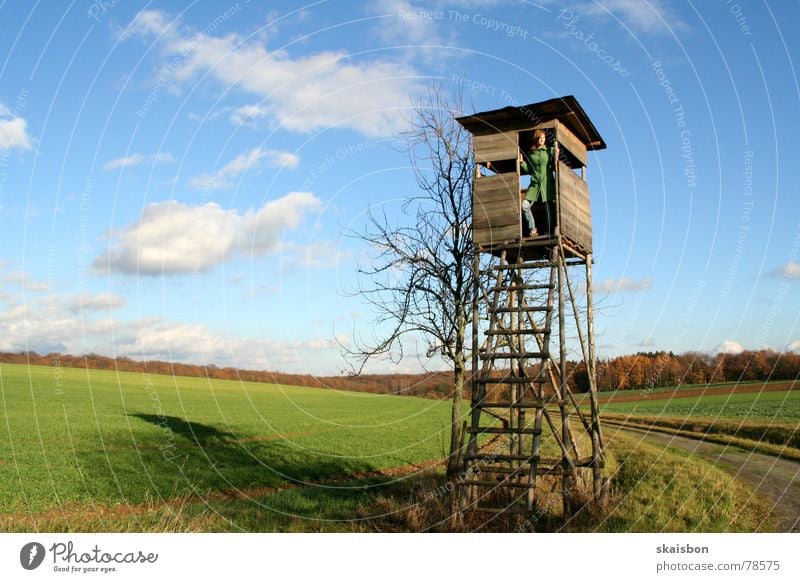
(774, 479)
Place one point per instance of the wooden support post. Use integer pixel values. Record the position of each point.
(591, 365)
(566, 490)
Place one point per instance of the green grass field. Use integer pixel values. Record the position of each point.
(783, 406)
(73, 436)
(105, 451)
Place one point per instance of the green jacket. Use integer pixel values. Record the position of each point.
(540, 164)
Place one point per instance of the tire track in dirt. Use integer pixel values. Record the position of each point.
(772, 478)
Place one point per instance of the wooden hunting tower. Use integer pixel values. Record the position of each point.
(524, 413)
(498, 138)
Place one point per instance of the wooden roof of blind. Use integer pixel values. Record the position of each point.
(566, 109)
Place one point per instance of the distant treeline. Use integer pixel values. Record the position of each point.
(654, 369)
(641, 370)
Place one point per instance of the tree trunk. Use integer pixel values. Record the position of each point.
(454, 458)
(456, 429)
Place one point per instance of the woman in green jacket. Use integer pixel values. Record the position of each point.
(539, 162)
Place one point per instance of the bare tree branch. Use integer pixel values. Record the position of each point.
(419, 281)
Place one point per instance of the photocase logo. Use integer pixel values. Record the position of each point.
(32, 555)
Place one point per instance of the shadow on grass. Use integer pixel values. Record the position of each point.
(243, 482)
(201, 434)
(185, 458)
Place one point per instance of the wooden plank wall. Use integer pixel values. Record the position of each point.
(568, 140)
(496, 209)
(496, 199)
(576, 217)
(496, 146)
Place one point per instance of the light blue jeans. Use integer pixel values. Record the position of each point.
(527, 216)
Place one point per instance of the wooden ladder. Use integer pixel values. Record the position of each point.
(509, 390)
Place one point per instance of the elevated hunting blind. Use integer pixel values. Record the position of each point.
(498, 138)
(524, 412)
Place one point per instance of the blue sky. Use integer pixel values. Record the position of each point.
(175, 180)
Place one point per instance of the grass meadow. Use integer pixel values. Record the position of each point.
(780, 406)
(83, 437)
(90, 450)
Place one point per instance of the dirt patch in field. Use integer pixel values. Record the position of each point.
(622, 396)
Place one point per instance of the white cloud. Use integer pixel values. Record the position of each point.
(321, 344)
(261, 230)
(42, 323)
(788, 271)
(13, 131)
(151, 22)
(242, 163)
(282, 159)
(47, 321)
(136, 159)
(157, 338)
(172, 237)
(794, 347)
(96, 302)
(642, 17)
(248, 115)
(46, 325)
(24, 280)
(302, 94)
(729, 347)
(623, 285)
(406, 22)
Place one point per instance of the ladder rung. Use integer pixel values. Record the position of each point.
(545, 465)
(509, 380)
(524, 470)
(503, 483)
(511, 472)
(521, 266)
(585, 462)
(500, 430)
(525, 458)
(537, 404)
(511, 509)
(504, 469)
(519, 309)
(542, 331)
(522, 287)
(513, 355)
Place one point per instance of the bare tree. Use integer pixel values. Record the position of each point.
(420, 279)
